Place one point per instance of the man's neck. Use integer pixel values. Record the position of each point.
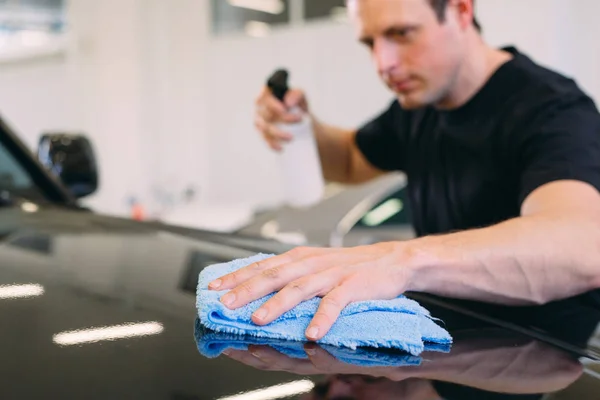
(479, 65)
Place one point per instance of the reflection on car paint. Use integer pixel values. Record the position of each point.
(94, 335)
(20, 291)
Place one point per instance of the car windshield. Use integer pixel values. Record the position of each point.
(15, 180)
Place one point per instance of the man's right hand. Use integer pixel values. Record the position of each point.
(270, 112)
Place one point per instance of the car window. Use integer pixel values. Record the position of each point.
(391, 211)
(15, 179)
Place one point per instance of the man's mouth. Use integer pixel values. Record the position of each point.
(403, 86)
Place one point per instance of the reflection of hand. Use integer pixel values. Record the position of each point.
(508, 365)
(524, 367)
(344, 380)
(319, 362)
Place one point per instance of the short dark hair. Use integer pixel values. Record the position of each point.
(439, 6)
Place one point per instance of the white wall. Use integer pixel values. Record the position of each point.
(34, 97)
(169, 107)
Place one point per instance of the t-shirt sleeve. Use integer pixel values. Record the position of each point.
(564, 143)
(383, 140)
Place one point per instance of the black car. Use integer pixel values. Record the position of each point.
(97, 307)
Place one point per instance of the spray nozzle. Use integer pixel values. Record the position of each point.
(278, 83)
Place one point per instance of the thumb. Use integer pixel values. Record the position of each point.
(296, 98)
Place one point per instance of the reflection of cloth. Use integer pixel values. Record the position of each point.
(211, 344)
(400, 323)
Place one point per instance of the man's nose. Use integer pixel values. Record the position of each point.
(387, 56)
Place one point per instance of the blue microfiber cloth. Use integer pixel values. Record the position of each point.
(400, 323)
(212, 344)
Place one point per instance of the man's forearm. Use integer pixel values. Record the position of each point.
(526, 260)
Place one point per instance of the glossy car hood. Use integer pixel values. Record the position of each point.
(65, 274)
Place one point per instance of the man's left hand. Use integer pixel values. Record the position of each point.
(340, 276)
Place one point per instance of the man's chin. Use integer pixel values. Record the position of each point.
(411, 101)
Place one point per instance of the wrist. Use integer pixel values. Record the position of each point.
(421, 259)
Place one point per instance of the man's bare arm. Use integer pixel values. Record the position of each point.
(341, 159)
(551, 252)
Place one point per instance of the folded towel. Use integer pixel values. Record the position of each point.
(212, 344)
(400, 323)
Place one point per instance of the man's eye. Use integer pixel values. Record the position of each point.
(402, 33)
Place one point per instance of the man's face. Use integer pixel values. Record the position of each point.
(416, 55)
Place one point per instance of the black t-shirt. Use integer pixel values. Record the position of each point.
(473, 166)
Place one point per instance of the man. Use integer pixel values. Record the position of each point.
(503, 164)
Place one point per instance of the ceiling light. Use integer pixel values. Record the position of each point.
(20, 291)
(268, 6)
(93, 335)
(275, 392)
(257, 29)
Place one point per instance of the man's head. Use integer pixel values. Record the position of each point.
(418, 45)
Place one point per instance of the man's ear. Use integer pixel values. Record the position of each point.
(465, 12)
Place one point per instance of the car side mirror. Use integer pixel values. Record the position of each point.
(70, 157)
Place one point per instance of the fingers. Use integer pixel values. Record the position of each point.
(247, 358)
(280, 362)
(243, 274)
(268, 359)
(329, 310)
(296, 98)
(272, 135)
(321, 359)
(270, 112)
(296, 292)
(326, 363)
(269, 280)
(266, 277)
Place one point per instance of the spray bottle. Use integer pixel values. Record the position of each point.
(300, 163)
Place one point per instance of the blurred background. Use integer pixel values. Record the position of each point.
(165, 89)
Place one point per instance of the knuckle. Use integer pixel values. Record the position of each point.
(257, 266)
(299, 287)
(272, 273)
(246, 288)
(234, 277)
(332, 302)
(297, 252)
